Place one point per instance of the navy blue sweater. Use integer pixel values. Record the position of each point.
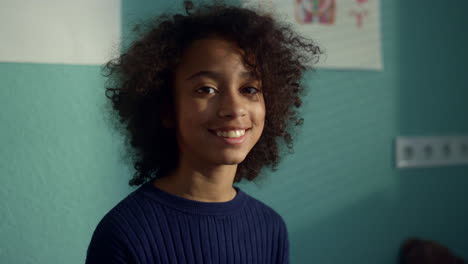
(154, 226)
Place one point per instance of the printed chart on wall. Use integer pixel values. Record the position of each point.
(347, 30)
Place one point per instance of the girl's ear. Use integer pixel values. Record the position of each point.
(167, 110)
(167, 117)
(168, 121)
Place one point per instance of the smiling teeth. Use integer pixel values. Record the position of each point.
(231, 133)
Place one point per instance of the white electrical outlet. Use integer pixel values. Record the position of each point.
(413, 152)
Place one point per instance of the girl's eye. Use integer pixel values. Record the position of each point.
(250, 90)
(206, 90)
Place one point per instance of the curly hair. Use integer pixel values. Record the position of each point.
(140, 83)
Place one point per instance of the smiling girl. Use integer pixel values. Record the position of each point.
(206, 99)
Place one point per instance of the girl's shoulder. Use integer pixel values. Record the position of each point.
(260, 207)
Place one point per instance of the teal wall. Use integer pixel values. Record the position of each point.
(61, 168)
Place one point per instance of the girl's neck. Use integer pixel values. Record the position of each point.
(207, 185)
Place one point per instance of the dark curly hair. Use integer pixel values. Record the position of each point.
(140, 84)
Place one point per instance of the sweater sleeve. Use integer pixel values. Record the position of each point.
(108, 245)
(283, 254)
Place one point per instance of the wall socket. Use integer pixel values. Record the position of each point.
(431, 151)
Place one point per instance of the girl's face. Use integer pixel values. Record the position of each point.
(220, 110)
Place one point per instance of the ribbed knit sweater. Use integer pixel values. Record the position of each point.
(154, 226)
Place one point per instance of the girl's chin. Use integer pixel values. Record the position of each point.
(232, 162)
(230, 159)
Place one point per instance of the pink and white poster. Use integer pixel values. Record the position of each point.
(347, 30)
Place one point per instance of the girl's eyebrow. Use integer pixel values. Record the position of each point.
(218, 76)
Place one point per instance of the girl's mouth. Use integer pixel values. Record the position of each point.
(231, 137)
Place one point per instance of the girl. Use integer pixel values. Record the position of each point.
(205, 99)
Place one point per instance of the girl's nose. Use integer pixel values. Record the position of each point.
(231, 106)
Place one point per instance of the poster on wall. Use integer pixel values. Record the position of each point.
(59, 32)
(347, 30)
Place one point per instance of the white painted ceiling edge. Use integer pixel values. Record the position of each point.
(59, 32)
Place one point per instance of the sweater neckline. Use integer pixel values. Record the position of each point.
(192, 206)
